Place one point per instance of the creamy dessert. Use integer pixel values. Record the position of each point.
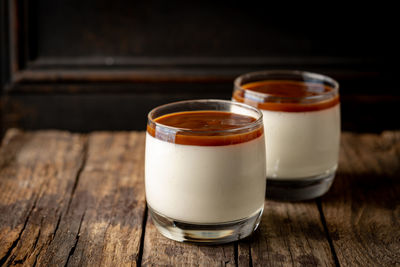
(205, 166)
(302, 125)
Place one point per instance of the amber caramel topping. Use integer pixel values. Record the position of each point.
(205, 128)
(294, 93)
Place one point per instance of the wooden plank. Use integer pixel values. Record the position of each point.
(161, 251)
(103, 226)
(362, 208)
(71, 203)
(290, 234)
(37, 177)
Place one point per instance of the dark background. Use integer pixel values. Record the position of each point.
(102, 65)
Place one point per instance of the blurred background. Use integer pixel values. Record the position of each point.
(102, 65)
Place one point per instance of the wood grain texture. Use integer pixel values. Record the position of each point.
(290, 234)
(91, 215)
(37, 177)
(160, 251)
(362, 210)
(78, 200)
(107, 210)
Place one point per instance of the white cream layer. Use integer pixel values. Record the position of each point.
(205, 184)
(301, 144)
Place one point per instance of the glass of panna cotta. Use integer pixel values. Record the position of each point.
(301, 113)
(205, 170)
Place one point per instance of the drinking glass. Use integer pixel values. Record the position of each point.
(203, 184)
(301, 113)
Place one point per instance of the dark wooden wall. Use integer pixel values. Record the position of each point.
(102, 65)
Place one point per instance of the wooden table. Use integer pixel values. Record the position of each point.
(79, 200)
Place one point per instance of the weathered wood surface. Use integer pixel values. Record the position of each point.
(362, 209)
(72, 200)
(78, 200)
(37, 179)
(289, 235)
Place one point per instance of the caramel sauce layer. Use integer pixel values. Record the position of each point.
(287, 89)
(207, 128)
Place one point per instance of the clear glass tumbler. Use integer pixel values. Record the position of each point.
(301, 112)
(205, 170)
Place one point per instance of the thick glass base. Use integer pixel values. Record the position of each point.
(296, 189)
(217, 233)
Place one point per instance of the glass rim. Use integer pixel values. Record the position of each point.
(252, 125)
(294, 73)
